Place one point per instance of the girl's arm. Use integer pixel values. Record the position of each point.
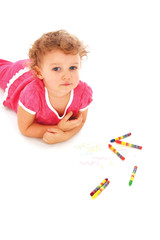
(52, 137)
(27, 126)
(50, 134)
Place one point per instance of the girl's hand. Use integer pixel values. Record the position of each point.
(66, 125)
(54, 135)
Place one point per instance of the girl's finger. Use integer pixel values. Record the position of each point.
(67, 117)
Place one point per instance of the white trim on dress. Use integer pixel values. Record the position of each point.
(26, 109)
(83, 109)
(52, 109)
(11, 81)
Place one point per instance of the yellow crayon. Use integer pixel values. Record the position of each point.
(100, 190)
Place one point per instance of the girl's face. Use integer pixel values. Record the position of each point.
(60, 72)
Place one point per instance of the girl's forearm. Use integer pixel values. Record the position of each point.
(36, 130)
(28, 127)
(58, 136)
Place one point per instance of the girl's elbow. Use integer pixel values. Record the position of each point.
(23, 132)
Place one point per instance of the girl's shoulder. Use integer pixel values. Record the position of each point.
(35, 86)
(32, 96)
(83, 88)
(83, 95)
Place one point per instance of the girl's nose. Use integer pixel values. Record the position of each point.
(66, 75)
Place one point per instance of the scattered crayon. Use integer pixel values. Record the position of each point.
(115, 151)
(101, 189)
(128, 144)
(99, 186)
(132, 176)
(118, 138)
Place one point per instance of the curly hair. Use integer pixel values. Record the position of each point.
(62, 40)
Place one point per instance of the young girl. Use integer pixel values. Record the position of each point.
(45, 91)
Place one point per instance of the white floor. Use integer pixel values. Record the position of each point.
(44, 189)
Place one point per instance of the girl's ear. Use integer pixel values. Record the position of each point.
(38, 72)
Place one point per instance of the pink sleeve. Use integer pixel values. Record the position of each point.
(86, 98)
(29, 100)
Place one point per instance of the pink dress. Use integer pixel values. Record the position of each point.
(22, 87)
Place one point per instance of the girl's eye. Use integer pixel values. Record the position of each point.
(56, 68)
(73, 68)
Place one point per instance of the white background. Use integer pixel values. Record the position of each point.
(44, 189)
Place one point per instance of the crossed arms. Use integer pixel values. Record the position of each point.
(61, 132)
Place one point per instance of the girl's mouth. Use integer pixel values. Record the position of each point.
(66, 84)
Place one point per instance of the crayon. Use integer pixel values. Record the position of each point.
(101, 189)
(128, 144)
(115, 151)
(133, 175)
(99, 186)
(118, 138)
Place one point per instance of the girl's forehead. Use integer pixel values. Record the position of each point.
(58, 56)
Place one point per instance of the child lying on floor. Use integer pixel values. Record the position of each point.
(45, 91)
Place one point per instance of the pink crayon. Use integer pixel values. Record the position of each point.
(128, 144)
(116, 152)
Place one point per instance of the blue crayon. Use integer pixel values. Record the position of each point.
(118, 138)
